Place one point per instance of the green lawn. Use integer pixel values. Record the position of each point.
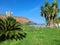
(37, 36)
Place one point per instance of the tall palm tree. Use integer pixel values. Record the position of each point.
(10, 29)
(50, 11)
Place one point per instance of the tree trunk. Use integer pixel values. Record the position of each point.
(51, 23)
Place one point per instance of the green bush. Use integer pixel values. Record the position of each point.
(10, 29)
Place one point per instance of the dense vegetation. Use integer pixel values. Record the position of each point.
(10, 29)
(37, 36)
(50, 13)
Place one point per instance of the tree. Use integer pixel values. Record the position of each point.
(50, 11)
(10, 29)
(57, 20)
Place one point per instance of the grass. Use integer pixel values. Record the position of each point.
(37, 36)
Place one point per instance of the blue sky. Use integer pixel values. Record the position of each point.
(25, 8)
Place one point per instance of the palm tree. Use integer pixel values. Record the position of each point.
(50, 12)
(10, 29)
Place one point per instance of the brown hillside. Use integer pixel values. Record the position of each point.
(21, 20)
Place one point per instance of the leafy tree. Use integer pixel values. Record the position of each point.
(10, 29)
(57, 20)
(50, 11)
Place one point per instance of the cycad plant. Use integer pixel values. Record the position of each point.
(10, 29)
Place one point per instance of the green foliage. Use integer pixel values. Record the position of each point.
(50, 11)
(57, 20)
(10, 29)
(37, 36)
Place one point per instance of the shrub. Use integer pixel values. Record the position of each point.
(10, 29)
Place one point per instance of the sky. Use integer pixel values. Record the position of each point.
(26, 8)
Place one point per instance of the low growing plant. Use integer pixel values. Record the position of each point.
(10, 29)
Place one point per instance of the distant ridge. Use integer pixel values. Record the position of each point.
(21, 20)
